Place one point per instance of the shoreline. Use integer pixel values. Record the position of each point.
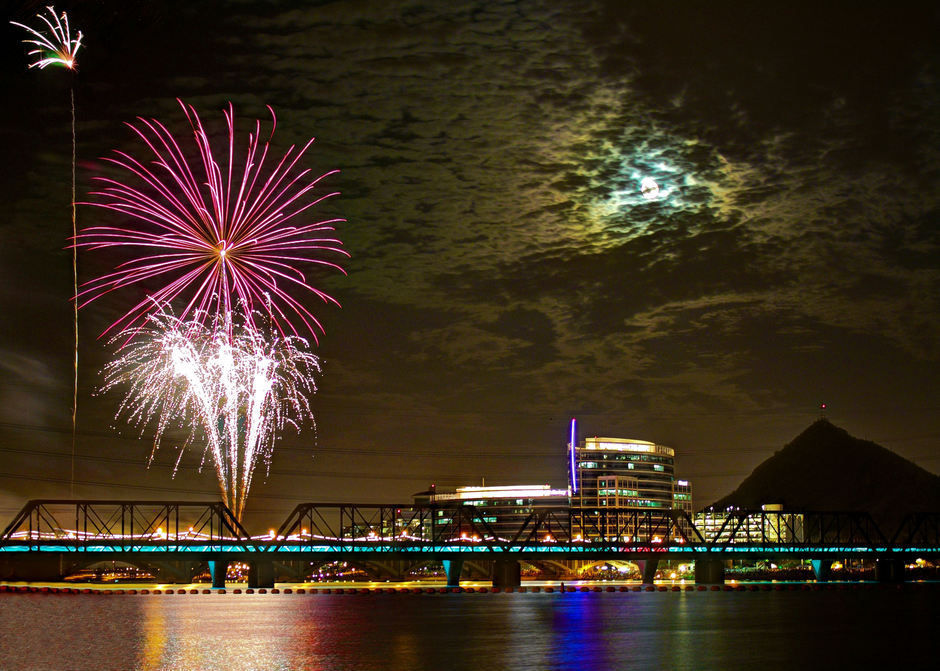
(438, 587)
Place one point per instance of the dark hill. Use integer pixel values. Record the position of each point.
(824, 468)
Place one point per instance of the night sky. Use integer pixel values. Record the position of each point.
(508, 271)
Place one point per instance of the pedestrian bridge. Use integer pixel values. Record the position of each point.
(50, 538)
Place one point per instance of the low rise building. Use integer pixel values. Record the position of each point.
(502, 510)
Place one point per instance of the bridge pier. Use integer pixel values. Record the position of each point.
(506, 573)
(50, 567)
(289, 570)
(261, 573)
(388, 569)
(709, 571)
(822, 569)
(217, 570)
(173, 571)
(453, 567)
(647, 569)
(889, 570)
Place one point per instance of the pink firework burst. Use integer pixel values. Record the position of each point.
(217, 236)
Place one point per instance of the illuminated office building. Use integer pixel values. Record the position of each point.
(603, 474)
(624, 473)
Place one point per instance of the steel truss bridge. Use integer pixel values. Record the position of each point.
(48, 539)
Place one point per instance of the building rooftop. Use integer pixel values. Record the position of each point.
(626, 445)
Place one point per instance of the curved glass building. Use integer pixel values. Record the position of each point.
(624, 473)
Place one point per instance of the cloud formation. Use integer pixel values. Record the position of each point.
(512, 263)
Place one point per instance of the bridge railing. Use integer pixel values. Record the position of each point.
(80, 524)
(789, 528)
(497, 528)
(918, 530)
(182, 525)
(631, 526)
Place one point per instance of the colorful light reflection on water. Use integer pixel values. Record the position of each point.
(647, 630)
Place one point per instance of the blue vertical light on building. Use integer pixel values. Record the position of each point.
(573, 471)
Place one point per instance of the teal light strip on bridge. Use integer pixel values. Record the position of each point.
(143, 549)
(379, 549)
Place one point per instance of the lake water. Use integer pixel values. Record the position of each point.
(886, 628)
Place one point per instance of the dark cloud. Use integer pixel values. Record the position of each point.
(511, 264)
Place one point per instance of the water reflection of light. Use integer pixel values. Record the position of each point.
(154, 634)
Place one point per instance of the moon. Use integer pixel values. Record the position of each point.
(649, 188)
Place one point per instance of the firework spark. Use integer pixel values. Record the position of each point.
(213, 235)
(54, 43)
(234, 386)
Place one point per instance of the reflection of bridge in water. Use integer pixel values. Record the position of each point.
(49, 539)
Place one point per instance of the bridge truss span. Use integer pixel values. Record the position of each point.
(177, 537)
(121, 526)
(408, 528)
(335, 529)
